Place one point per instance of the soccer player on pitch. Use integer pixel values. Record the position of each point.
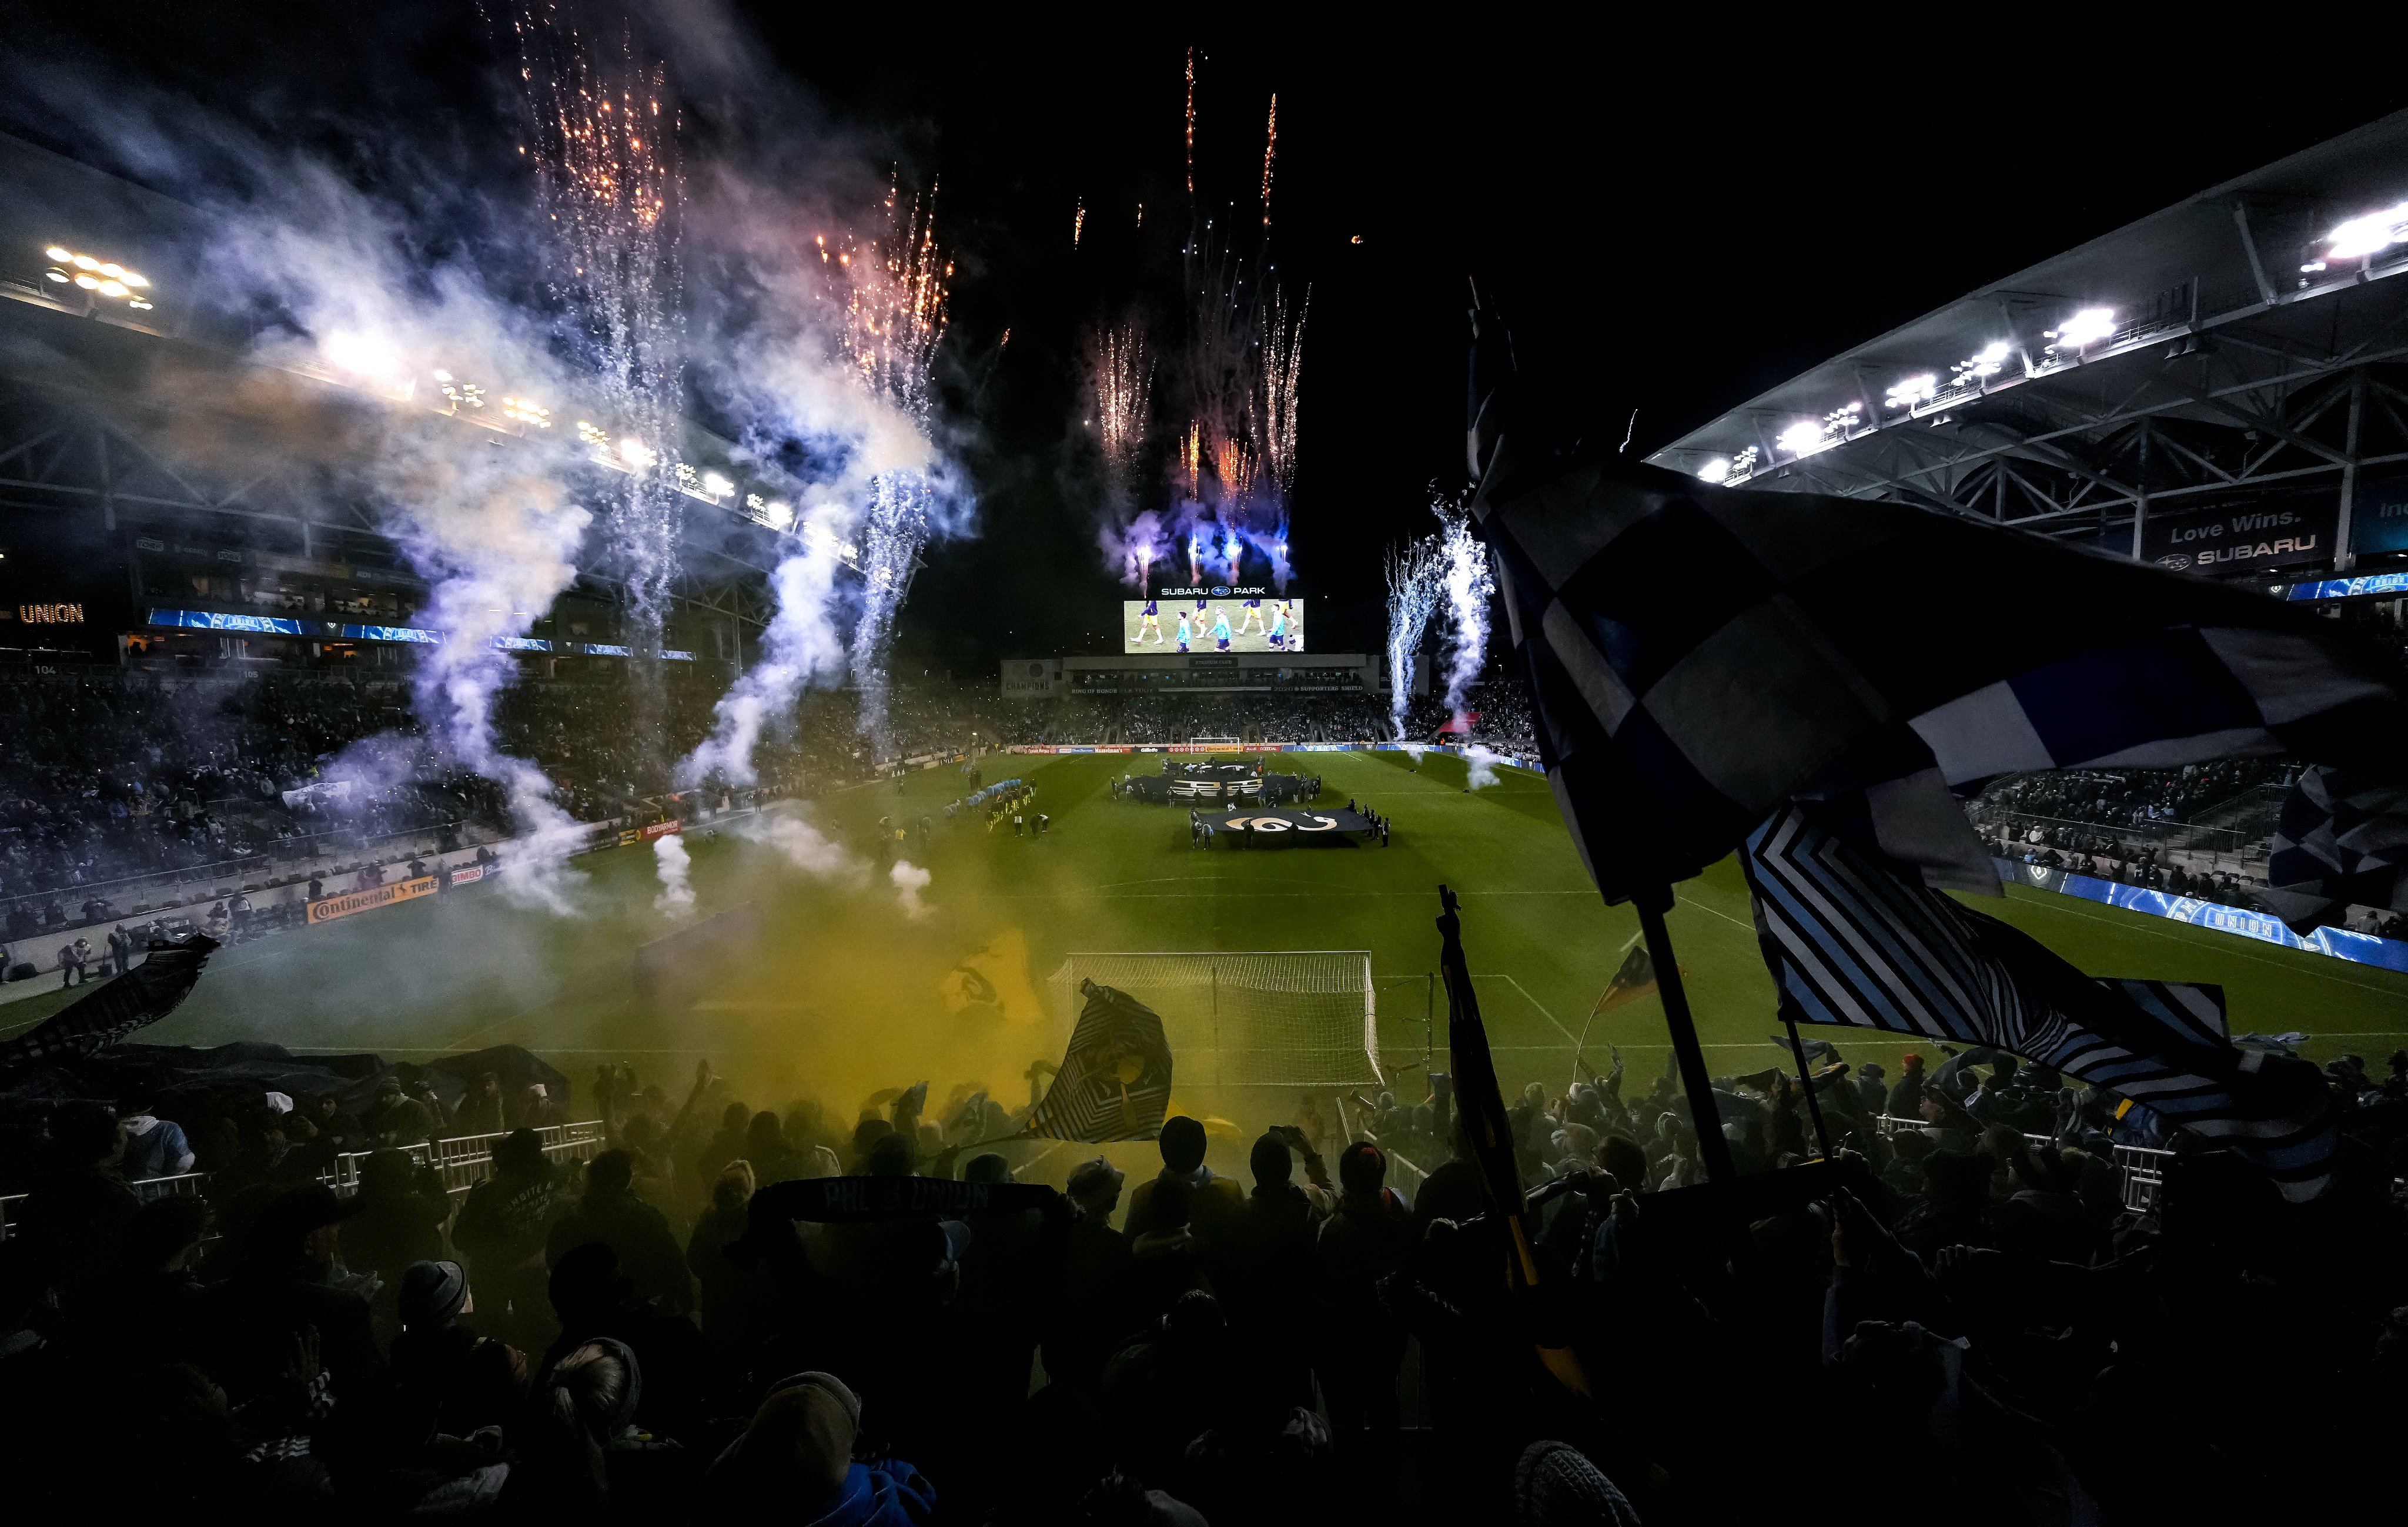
(1252, 619)
(1150, 619)
(1221, 629)
(1279, 628)
(1185, 635)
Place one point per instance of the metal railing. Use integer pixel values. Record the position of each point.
(2141, 1168)
(463, 1161)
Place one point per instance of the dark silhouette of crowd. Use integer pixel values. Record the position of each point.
(729, 1311)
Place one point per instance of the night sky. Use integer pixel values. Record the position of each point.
(1672, 224)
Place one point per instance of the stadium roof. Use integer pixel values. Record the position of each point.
(2227, 352)
(139, 402)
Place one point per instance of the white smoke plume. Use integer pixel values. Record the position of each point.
(805, 848)
(1482, 766)
(677, 887)
(801, 645)
(909, 879)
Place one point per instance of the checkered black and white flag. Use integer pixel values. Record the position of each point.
(2342, 841)
(1853, 939)
(116, 1009)
(1699, 655)
(1115, 1081)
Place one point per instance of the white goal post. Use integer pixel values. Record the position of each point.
(1248, 1018)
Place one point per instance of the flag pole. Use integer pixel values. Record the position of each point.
(1479, 1105)
(1579, 1046)
(1713, 1149)
(1813, 1109)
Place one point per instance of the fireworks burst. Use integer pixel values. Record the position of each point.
(1078, 223)
(1191, 126)
(1283, 348)
(892, 296)
(1121, 375)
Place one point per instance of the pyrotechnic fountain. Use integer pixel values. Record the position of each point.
(604, 148)
(1416, 576)
(891, 296)
(1469, 586)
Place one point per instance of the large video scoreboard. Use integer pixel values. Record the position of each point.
(1214, 617)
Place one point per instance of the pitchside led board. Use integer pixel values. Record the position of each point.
(1214, 617)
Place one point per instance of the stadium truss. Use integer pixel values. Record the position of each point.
(2244, 348)
(160, 417)
(119, 459)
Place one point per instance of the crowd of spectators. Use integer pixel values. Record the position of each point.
(2125, 799)
(661, 1336)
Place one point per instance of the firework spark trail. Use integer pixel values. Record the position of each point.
(1271, 156)
(1191, 127)
(669, 859)
(893, 319)
(1121, 376)
(801, 646)
(1282, 362)
(1416, 578)
(1469, 586)
(610, 187)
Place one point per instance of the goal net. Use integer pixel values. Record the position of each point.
(1255, 1018)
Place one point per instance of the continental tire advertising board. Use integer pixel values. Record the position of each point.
(328, 909)
(2277, 533)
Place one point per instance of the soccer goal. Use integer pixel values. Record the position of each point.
(1249, 1018)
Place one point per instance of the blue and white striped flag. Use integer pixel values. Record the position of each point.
(1854, 938)
(1698, 655)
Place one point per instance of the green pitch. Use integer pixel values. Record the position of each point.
(848, 993)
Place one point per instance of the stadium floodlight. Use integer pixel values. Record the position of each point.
(1920, 388)
(717, 485)
(526, 411)
(636, 453)
(59, 275)
(88, 283)
(61, 255)
(1717, 469)
(2084, 328)
(777, 514)
(1804, 438)
(2363, 237)
(1983, 364)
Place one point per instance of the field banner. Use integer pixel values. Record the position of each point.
(2340, 943)
(328, 909)
(660, 829)
(468, 875)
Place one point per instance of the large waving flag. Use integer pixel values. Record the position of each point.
(1854, 938)
(117, 1008)
(1115, 1082)
(2341, 841)
(1698, 655)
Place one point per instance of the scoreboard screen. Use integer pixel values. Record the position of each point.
(1219, 620)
